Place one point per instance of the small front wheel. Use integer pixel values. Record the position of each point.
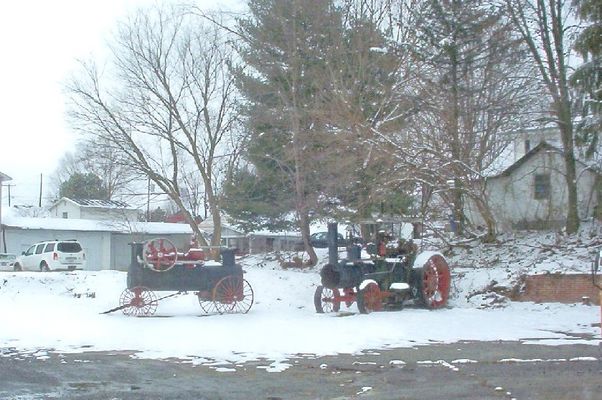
(138, 302)
(326, 300)
(206, 302)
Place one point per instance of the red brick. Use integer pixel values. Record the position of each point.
(559, 288)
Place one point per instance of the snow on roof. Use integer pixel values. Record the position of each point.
(95, 203)
(94, 225)
(502, 162)
(542, 146)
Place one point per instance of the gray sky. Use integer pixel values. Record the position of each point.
(40, 42)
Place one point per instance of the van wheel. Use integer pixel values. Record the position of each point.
(17, 267)
(44, 267)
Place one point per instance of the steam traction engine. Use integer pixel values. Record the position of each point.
(394, 273)
(156, 265)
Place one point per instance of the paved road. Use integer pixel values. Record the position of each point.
(473, 371)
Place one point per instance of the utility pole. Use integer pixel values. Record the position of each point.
(148, 200)
(40, 200)
(8, 187)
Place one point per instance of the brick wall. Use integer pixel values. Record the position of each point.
(559, 288)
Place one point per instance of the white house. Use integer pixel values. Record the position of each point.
(108, 210)
(531, 193)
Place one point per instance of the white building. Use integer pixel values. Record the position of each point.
(531, 193)
(108, 210)
(106, 243)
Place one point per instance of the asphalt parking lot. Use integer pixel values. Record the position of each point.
(471, 370)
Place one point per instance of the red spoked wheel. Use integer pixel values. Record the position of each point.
(434, 282)
(326, 300)
(160, 254)
(206, 302)
(233, 294)
(369, 299)
(138, 302)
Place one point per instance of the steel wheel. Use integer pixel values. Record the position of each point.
(138, 302)
(434, 282)
(369, 299)
(206, 302)
(326, 300)
(159, 254)
(232, 294)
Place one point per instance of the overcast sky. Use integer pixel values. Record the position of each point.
(40, 42)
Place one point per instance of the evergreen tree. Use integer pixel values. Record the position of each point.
(257, 203)
(587, 78)
(83, 186)
(288, 47)
(365, 77)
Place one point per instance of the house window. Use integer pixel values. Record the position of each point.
(542, 186)
(65, 215)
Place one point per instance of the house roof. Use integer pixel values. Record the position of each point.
(86, 225)
(4, 177)
(95, 203)
(542, 146)
(530, 154)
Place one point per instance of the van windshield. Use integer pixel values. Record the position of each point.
(69, 247)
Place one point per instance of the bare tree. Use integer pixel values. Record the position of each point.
(544, 26)
(168, 104)
(471, 86)
(100, 158)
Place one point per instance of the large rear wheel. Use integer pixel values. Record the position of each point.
(434, 281)
(233, 294)
(326, 300)
(369, 299)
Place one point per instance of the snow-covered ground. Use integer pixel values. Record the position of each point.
(60, 311)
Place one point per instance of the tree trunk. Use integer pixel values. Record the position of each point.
(565, 124)
(488, 217)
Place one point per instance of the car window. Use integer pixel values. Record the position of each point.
(30, 250)
(49, 248)
(69, 247)
(40, 248)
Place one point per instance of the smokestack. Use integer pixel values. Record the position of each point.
(332, 240)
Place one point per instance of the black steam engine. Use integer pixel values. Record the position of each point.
(393, 274)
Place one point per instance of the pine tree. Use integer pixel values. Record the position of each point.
(83, 186)
(287, 49)
(587, 78)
